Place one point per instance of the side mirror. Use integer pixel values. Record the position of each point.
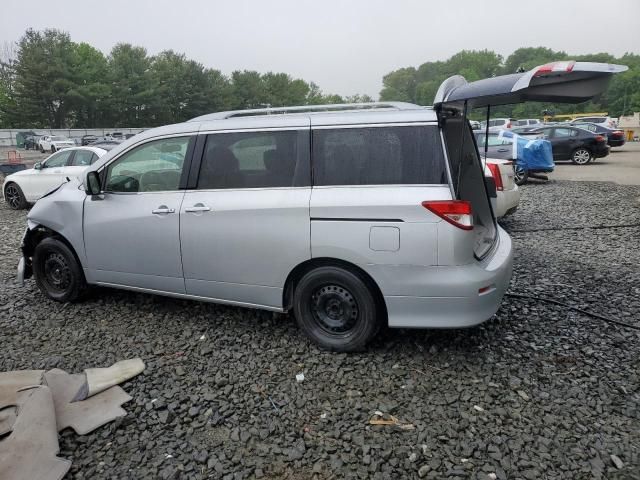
(92, 183)
(38, 166)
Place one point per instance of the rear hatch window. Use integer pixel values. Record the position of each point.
(468, 181)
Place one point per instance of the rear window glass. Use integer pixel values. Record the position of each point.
(468, 180)
(378, 156)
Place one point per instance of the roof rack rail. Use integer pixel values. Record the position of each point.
(333, 107)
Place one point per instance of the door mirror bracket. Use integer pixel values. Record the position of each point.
(38, 166)
(92, 183)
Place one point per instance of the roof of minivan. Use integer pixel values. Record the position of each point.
(321, 115)
(293, 117)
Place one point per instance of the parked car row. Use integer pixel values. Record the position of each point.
(46, 142)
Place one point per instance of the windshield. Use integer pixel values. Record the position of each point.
(58, 139)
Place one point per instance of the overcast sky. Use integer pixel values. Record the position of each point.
(344, 46)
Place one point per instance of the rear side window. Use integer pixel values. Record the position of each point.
(564, 132)
(378, 156)
(83, 158)
(255, 160)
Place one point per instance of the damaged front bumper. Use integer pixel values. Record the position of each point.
(25, 269)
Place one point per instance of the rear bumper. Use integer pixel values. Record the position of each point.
(507, 202)
(446, 297)
(616, 143)
(601, 152)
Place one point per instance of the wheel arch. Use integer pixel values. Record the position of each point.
(301, 269)
(34, 236)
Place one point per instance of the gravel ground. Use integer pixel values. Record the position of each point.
(537, 392)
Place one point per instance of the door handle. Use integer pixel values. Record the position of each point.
(198, 207)
(163, 209)
(502, 150)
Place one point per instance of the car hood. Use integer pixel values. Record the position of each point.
(21, 173)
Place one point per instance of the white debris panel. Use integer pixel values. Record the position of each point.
(36, 404)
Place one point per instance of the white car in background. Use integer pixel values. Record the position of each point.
(507, 193)
(53, 143)
(602, 121)
(27, 186)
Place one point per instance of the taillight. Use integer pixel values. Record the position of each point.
(600, 138)
(509, 125)
(617, 133)
(554, 67)
(497, 177)
(456, 212)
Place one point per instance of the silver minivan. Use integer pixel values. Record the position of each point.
(350, 216)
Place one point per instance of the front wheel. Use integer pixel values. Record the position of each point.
(57, 272)
(53, 149)
(581, 156)
(337, 309)
(14, 197)
(520, 175)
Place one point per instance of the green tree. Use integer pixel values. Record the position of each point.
(180, 88)
(527, 58)
(132, 86)
(43, 78)
(89, 95)
(400, 85)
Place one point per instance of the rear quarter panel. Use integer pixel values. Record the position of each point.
(353, 224)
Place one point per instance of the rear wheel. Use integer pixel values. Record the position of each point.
(14, 197)
(336, 308)
(581, 156)
(41, 149)
(57, 272)
(520, 175)
(53, 149)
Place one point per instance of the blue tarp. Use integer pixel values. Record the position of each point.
(531, 154)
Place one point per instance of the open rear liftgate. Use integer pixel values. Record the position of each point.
(557, 82)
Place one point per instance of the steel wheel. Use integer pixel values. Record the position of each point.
(57, 273)
(335, 309)
(581, 156)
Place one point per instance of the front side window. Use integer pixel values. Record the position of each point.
(155, 166)
(83, 158)
(255, 160)
(378, 156)
(57, 160)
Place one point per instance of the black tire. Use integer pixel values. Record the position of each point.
(14, 197)
(337, 308)
(41, 149)
(53, 149)
(520, 175)
(581, 156)
(57, 272)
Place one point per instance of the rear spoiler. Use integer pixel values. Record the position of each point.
(557, 82)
